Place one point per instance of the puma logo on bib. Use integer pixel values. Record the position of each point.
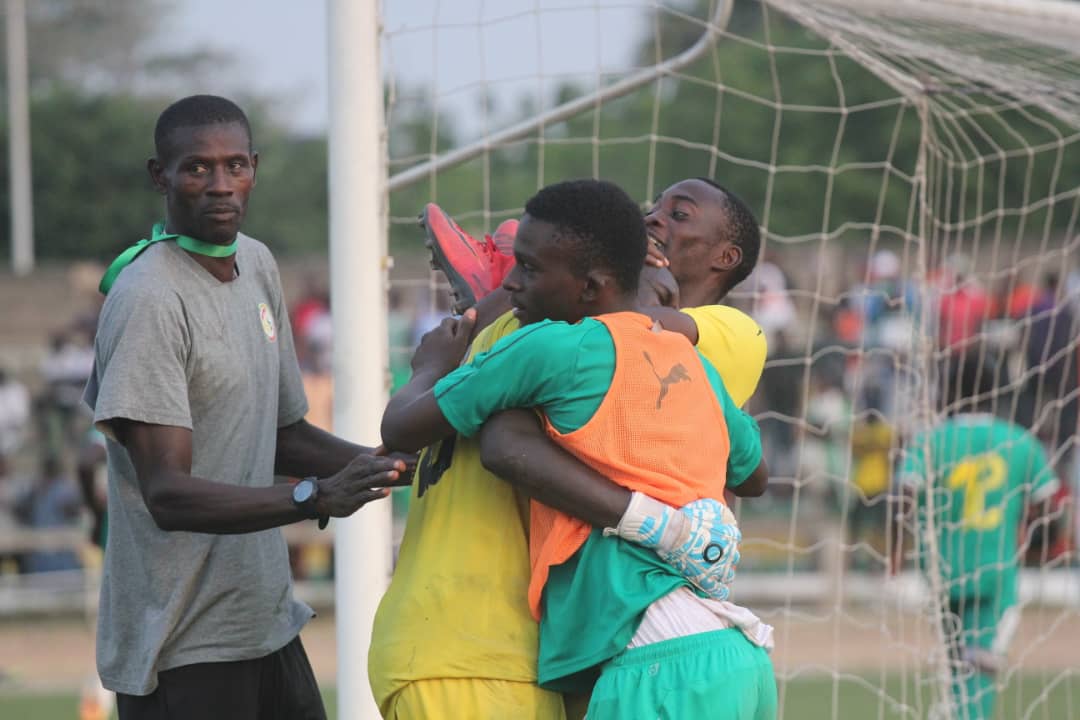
(676, 374)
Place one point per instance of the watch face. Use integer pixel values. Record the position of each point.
(303, 491)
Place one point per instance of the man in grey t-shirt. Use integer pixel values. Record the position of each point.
(197, 388)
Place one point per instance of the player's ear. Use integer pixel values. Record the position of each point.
(725, 256)
(595, 283)
(156, 170)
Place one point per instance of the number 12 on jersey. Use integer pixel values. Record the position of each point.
(978, 476)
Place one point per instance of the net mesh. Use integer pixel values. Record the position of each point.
(916, 171)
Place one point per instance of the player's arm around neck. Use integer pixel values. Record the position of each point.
(178, 501)
(658, 298)
(673, 320)
(413, 420)
(515, 447)
(756, 484)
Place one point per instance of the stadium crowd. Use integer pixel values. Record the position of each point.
(841, 391)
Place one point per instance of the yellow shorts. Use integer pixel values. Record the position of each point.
(473, 698)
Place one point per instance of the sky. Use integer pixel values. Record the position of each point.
(457, 48)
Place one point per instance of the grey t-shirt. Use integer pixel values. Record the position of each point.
(175, 346)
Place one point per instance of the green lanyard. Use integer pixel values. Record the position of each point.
(157, 234)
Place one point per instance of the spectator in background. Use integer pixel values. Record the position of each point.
(1018, 297)
(65, 370)
(316, 302)
(871, 475)
(14, 417)
(885, 325)
(782, 389)
(963, 307)
(846, 323)
(772, 306)
(825, 440)
(881, 293)
(887, 301)
(52, 502)
(317, 371)
(83, 278)
(1050, 392)
(313, 333)
(1072, 288)
(312, 310)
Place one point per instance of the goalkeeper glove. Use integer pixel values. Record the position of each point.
(700, 540)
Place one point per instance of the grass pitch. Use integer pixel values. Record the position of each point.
(1036, 696)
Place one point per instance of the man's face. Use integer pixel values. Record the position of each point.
(686, 221)
(206, 180)
(657, 287)
(542, 285)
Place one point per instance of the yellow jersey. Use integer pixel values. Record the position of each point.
(457, 603)
(456, 606)
(734, 344)
(870, 446)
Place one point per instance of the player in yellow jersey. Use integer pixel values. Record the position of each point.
(453, 635)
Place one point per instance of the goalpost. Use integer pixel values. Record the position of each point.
(358, 262)
(895, 153)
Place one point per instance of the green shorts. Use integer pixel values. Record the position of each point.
(719, 675)
(985, 624)
(980, 620)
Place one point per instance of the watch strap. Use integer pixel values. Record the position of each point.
(324, 520)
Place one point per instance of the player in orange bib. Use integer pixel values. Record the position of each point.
(638, 405)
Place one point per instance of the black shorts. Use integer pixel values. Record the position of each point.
(280, 686)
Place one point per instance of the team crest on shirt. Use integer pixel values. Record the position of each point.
(267, 319)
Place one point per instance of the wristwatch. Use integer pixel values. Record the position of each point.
(304, 495)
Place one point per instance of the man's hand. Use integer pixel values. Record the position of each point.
(410, 459)
(366, 478)
(700, 540)
(654, 256)
(442, 349)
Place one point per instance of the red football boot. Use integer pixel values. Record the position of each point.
(502, 261)
(474, 268)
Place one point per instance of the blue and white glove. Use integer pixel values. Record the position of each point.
(700, 540)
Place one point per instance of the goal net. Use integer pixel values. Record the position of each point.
(915, 167)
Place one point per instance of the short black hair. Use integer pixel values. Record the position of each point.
(196, 111)
(601, 220)
(743, 230)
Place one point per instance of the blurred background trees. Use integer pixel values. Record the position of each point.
(97, 87)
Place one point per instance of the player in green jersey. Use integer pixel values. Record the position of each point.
(977, 473)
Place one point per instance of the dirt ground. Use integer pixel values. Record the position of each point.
(58, 654)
